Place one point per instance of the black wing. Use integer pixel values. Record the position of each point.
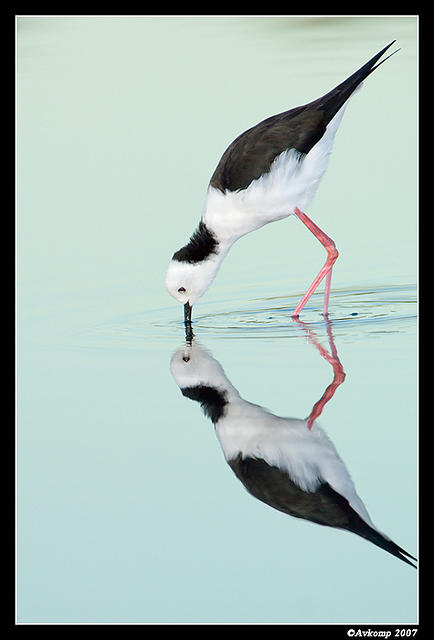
(251, 154)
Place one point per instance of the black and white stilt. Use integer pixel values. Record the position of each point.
(271, 171)
(288, 463)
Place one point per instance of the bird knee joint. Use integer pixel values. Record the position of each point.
(333, 252)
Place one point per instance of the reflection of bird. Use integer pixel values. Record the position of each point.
(280, 461)
(266, 174)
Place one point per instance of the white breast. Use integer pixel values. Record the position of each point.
(291, 182)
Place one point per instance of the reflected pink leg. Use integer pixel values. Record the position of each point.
(339, 377)
(338, 370)
(327, 268)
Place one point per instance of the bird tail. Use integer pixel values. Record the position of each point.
(332, 101)
(363, 529)
(391, 547)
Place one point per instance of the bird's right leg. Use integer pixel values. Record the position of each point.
(332, 252)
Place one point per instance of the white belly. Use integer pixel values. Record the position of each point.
(291, 182)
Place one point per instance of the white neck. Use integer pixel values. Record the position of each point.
(227, 220)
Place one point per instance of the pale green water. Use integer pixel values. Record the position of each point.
(127, 511)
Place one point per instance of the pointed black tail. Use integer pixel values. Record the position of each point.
(332, 101)
(363, 529)
(390, 546)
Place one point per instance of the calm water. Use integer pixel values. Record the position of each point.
(127, 510)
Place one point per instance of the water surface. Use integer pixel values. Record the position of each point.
(127, 511)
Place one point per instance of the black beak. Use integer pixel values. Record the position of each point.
(187, 322)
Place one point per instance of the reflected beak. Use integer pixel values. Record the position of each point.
(187, 350)
(187, 321)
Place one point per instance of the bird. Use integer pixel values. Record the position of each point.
(287, 463)
(269, 172)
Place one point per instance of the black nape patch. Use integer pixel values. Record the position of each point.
(212, 401)
(201, 244)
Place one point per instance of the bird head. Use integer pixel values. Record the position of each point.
(187, 282)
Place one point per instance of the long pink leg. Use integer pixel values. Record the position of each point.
(327, 290)
(327, 268)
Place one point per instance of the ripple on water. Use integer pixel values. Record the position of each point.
(353, 313)
(382, 309)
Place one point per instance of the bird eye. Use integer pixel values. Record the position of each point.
(181, 290)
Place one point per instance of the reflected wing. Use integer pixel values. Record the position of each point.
(324, 506)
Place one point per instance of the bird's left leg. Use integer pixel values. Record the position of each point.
(332, 252)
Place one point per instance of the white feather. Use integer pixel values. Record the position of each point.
(291, 182)
(307, 455)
